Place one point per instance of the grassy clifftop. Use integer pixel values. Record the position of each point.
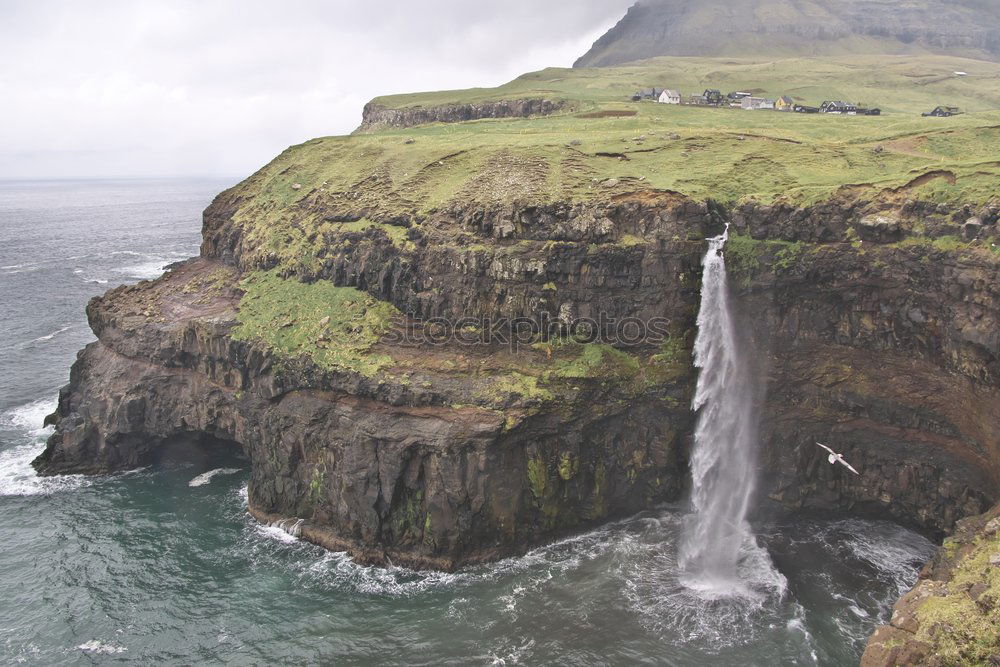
(607, 147)
(899, 84)
(720, 153)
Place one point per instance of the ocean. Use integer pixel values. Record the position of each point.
(164, 566)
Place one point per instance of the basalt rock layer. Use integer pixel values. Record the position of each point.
(439, 451)
(443, 453)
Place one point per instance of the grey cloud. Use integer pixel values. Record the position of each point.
(161, 87)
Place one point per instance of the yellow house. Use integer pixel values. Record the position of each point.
(784, 103)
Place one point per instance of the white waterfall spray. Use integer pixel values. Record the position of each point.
(723, 460)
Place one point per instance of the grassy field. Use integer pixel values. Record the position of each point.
(587, 155)
(899, 84)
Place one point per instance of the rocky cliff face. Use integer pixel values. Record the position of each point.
(376, 116)
(652, 28)
(449, 454)
(888, 350)
(876, 328)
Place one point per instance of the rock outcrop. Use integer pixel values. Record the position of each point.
(952, 615)
(377, 116)
(651, 28)
(448, 454)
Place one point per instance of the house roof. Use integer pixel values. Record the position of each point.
(672, 93)
(786, 99)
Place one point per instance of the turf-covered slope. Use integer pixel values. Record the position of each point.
(599, 144)
(783, 28)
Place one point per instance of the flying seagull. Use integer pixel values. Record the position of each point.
(837, 458)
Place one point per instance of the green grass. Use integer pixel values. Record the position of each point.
(334, 327)
(595, 361)
(898, 84)
(960, 631)
(728, 155)
(514, 383)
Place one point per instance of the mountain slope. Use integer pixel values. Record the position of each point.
(782, 28)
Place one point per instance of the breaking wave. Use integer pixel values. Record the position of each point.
(100, 648)
(151, 267)
(47, 337)
(206, 477)
(17, 477)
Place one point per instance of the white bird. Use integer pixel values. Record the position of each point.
(835, 458)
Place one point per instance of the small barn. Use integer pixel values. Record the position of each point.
(670, 97)
(784, 103)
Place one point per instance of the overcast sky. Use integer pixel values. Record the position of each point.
(108, 88)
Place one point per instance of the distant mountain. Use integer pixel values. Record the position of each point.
(782, 28)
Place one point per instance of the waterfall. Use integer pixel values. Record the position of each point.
(723, 460)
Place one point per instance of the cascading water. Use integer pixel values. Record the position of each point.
(716, 535)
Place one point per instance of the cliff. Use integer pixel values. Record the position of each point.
(444, 344)
(438, 451)
(652, 28)
(376, 116)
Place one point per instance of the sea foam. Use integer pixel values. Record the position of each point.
(17, 477)
(206, 477)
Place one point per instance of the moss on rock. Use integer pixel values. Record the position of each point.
(334, 327)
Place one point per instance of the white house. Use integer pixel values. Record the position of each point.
(752, 103)
(670, 97)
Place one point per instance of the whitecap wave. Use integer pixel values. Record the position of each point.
(30, 417)
(145, 270)
(206, 477)
(17, 477)
(100, 648)
(42, 339)
(276, 533)
(152, 266)
(798, 624)
(893, 551)
(13, 269)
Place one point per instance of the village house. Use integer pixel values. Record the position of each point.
(647, 94)
(670, 97)
(784, 103)
(712, 96)
(754, 103)
(838, 107)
